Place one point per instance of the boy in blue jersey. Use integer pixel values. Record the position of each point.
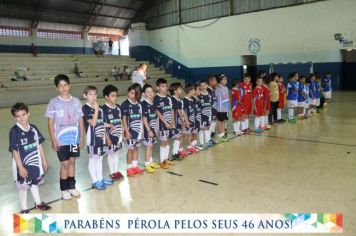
(66, 129)
(96, 137)
(166, 122)
(150, 127)
(317, 92)
(113, 125)
(206, 114)
(326, 84)
(198, 121)
(132, 125)
(212, 83)
(292, 97)
(302, 97)
(189, 111)
(312, 94)
(28, 159)
(175, 90)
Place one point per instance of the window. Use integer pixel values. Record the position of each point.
(15, 32)
(58, 34)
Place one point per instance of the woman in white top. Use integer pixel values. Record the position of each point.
(139, 75)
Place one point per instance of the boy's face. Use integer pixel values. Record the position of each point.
(132, 95)
(197, 92)
(259, 82)
(223, 81)
(302, 80)
(328, 76)
(149, 93)
(91, 96)
(212, 82)
(312, 78)
(112, 98)
(179, 91)
(247, 80)
(162, 88)
(63, 88)
(22, 116)
(203, 87)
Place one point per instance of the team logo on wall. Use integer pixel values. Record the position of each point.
(343, 41)
(254, 45)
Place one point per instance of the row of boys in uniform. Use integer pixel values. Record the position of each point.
(202, 112)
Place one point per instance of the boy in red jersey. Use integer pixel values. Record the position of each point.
(237, 107)
(258, 104)
(246, 87)
(282, 99)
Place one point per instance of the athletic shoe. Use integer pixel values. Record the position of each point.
(239, 133)
(209, 144)
(222, 139)
(176, 157)
(196, 148)
(192, 150)
(24, 212)
(107, 182)
(292, 121)
(99, 185)
(131, 172)
(149, 169)
(117, 176)
(168, 162)
(138, 170)
(268, 127)
(259, 131)
(212, 142)
(200, 147)
(246, 131)
(154, 165)
(164, 165)
(43, 207)
(66, 195)
(183, 154)
(74, 192)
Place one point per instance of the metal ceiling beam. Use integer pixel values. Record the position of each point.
(62, 13)
(106, 4)
(140, 14)
(28, 15)
(94, 11)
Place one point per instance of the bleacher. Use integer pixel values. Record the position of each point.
(44, 67)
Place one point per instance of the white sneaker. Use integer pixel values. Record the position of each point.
(66, 195)
(74, 192)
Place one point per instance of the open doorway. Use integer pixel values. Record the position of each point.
(348, 74)
(249, 65)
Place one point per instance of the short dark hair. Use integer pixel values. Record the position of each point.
(188, 88)
(307, 80)
(109, 89)
(137, 88)
(89, 88)
(161, 81)
(131, 87)
(311, 75)
(203, 82)
(145, 87)
(273, 75)
(247, 75)
(291, 75)
(20, 106)
(61, 77)
(211, 78)
(174, 86)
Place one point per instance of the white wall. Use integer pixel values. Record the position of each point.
(293, 34)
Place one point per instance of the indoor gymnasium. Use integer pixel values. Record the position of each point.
(184, 117)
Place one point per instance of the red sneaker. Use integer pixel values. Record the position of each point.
(138, 170)
(131, 172)
(118, 175)
(182, 154)
(192, 150)
(43, 207)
